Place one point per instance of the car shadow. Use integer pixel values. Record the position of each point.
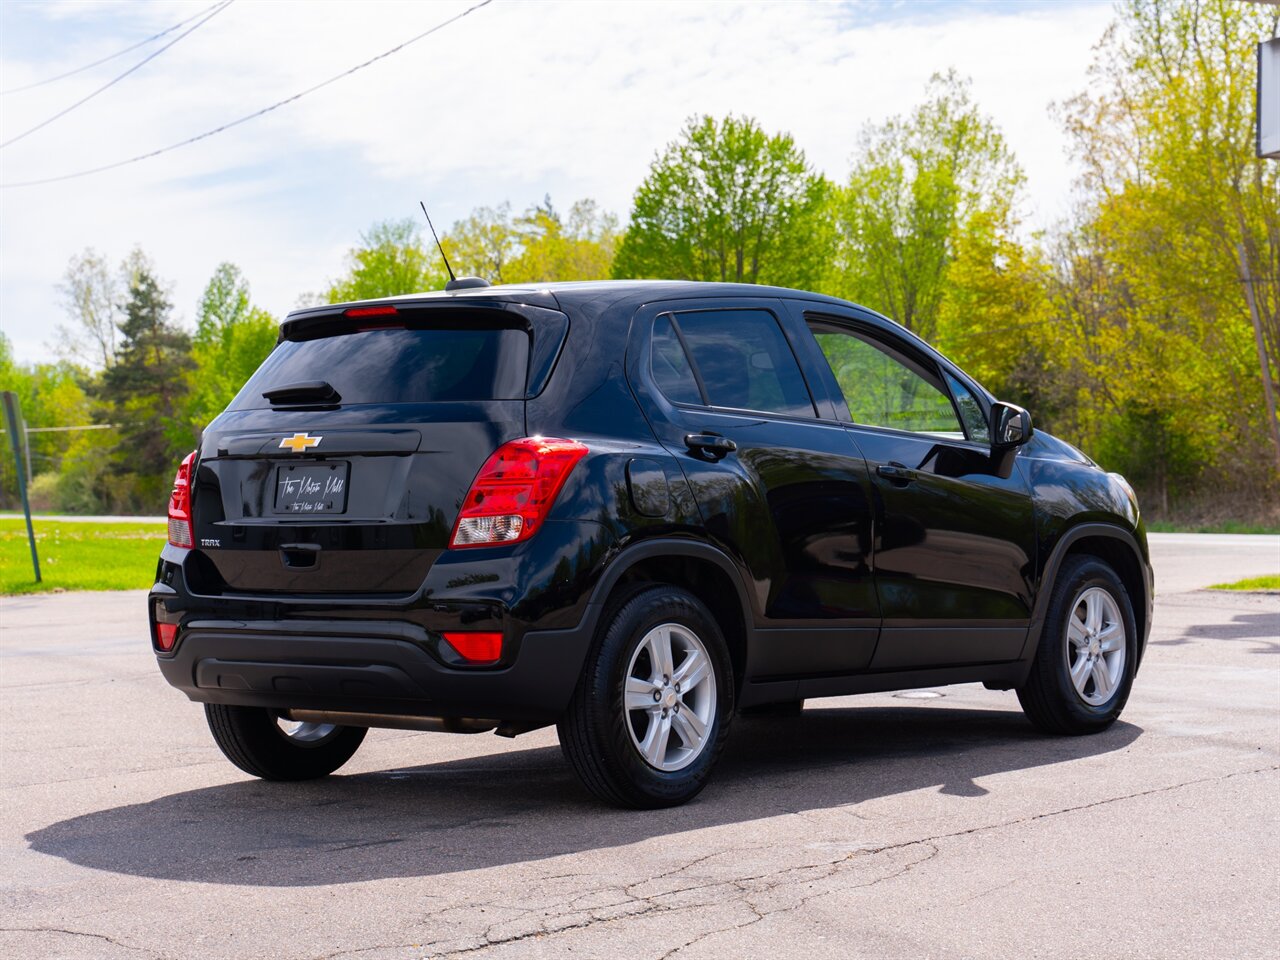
(525, 805)
(1258, 629)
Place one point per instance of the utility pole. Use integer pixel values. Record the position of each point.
(1268, 147)
(15, 438)
(1267, 389)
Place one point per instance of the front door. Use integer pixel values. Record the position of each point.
(954, 540)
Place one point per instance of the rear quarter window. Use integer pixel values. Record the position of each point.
(399, 365)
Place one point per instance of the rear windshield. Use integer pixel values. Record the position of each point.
(399, 366)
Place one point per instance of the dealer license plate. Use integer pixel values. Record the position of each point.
(312, 487)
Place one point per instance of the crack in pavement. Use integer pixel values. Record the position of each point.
(1076, 808)
(834, 868)
(81, 933)
(652, 904)
(83, 681)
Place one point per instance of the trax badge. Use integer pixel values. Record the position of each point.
(299, 442)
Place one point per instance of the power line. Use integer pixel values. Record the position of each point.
(111, 83)
(251, 116)
(118, 53)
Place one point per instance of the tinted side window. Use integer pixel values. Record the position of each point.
(670, 365)
(884, 388)
(745, 362)
(975, 424)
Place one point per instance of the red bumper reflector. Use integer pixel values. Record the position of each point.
(476, 647)
(166, 634)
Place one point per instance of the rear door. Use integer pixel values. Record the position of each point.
(955, 540)
(341, 465)
(778, 488)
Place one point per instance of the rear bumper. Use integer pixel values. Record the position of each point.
(380, 656)
(364, 667)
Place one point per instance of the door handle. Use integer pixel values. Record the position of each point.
(896, 473)
(710, 445)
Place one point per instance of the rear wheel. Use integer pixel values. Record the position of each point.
(265, 745)
(651, 711)
(1084, 665)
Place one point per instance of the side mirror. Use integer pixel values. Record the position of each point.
(1010, 426)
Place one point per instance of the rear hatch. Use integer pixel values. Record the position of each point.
(341, 465)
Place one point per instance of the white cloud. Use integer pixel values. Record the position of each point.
(514, 101)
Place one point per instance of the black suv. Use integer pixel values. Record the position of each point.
(630, 509)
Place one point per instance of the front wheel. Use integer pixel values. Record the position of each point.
(265, 745)
(1084, 665)
(651, 711)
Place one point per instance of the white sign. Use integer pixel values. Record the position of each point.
(1269, 99)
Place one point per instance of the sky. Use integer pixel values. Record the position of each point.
(515, 101)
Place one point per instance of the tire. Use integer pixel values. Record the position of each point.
(1072, 647)
(253, 739)
(788, 708)
(603, 741)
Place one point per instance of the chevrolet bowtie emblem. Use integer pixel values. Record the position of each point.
(299, 442)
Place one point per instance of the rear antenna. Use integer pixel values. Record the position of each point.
(455, 283)
(439, 247)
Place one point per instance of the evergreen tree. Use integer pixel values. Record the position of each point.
(144, 387)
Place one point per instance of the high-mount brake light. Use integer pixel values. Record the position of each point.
(180, 504)
(371, 312)
(514, 491)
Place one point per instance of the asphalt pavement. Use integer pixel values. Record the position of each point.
(873, 826)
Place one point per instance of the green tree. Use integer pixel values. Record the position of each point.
(484, 244)
(1182, 223)
(390, 261)
(49, 395)
(996, 312)
(918, 185)
(551, 249)
(536, 247)
(232, 339)
(144, 390)
(726, 201)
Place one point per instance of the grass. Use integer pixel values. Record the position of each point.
(79, 556)
(1270, 581)
(1230, 526)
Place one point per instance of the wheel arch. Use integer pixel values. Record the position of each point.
(707, 573)
(1108, 542)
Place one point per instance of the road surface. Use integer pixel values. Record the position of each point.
(874, 826)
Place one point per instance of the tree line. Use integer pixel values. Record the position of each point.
(1145, 328)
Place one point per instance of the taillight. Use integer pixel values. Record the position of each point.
(180, 504)
(476, 647)
(514, 490)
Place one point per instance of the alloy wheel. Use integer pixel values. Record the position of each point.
(1095, 646)
(669, 697)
